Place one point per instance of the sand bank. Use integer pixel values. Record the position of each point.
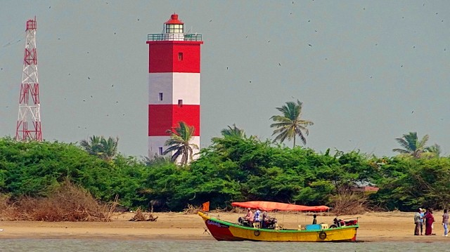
(374, 227)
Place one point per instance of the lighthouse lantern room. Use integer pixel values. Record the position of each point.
(174, 84)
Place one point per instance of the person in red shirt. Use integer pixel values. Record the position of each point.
(429, 219)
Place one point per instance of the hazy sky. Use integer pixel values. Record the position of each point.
(366, 71)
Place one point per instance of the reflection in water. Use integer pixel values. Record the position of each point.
(76, 245)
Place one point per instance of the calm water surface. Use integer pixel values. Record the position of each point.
(72, 245)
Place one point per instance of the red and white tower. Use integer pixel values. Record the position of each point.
(29, 118)
(174, 83)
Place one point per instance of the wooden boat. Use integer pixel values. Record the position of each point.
(228, 231)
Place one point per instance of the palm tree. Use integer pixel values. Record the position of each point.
(109, 148)
(435, 150)
(105, 149)
(411, 144)
(92, 146)
(231, 140)
(233, 132)
(156, 160)
(289, 124)
(179, 144)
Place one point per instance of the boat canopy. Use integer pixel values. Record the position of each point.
(277, 206)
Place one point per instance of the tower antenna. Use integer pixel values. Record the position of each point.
(29, 118)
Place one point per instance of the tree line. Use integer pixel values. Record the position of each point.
(233, 168)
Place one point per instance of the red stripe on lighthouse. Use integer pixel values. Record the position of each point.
(184, 56)
(165, 117)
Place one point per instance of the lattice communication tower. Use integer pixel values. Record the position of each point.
(29, 118)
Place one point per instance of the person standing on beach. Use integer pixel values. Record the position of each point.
(429, 219)
(445, 222)
(422, 215)
(418, 222)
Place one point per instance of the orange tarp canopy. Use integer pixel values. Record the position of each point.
(277, 206)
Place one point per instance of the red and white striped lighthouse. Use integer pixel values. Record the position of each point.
(174, 83)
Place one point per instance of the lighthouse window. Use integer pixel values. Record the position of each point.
(180, 56)
(160, 151)
(174, 28)
(160, 96)
(180, 103)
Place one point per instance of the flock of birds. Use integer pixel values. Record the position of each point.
(15, 41)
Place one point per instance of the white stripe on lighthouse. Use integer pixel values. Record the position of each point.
(157, 145)
(173, 87)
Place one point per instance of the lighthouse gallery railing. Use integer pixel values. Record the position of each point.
(173, 36)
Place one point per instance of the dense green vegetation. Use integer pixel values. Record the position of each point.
(233, 168)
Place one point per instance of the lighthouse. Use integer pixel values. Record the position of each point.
(174, 84)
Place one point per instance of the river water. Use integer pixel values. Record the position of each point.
(77, 245)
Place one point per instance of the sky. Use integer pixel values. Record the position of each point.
(367, 72)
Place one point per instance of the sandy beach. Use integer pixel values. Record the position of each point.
(374, 227)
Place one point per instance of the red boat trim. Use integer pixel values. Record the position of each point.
(221, 231)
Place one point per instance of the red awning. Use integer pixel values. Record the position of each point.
(277, 206)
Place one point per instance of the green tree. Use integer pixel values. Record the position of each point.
(411, 144)
(105, 149)
(230, 136)
(290, 124)
(179, 143)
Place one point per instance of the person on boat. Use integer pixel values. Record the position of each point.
(314, 219)
(418, 221)
(249, 216)
(265, 218)
(268, 222)
(257, 216)
(246, 220)
(429, 219)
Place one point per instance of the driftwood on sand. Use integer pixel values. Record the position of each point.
(139, 216)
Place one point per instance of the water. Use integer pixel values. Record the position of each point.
(72, 245)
